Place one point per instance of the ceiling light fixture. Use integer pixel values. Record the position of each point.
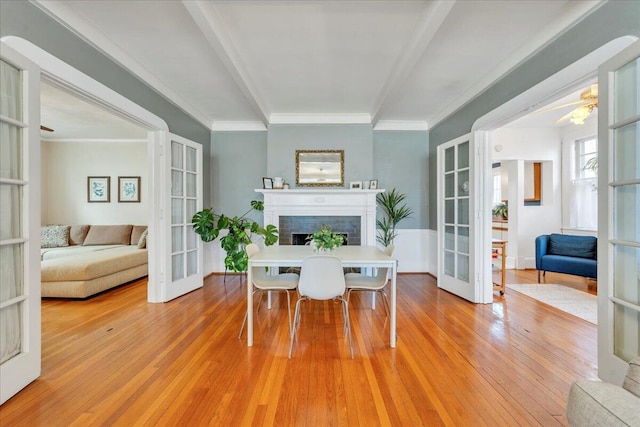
(579, 114)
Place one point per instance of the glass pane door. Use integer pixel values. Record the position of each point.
(186, 200)
(19, 223)
(619, 230)
(454, 270)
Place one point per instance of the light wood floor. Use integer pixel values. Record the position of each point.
(116, 360)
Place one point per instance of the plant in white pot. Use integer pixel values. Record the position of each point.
(324, 240)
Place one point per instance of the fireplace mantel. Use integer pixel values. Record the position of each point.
(324, 202)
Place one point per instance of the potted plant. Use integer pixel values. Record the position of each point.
(325, 240)
(500, 211)
(240, 232)
(393, 211)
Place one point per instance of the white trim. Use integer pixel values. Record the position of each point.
(158, 137)
(226, 126)
(401, 125)
(95, 140)
(302, 118)
(535, 44)
(80, 26)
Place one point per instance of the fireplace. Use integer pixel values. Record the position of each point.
(295, 229)
(302, 211)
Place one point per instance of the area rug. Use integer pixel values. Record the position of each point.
(572, 301)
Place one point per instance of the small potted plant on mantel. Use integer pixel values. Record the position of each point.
(324, 240)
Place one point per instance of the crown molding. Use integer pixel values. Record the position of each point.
(230, 126)
(319, 119)
(81, 27)
(402, 125)
(96, 140)
(544, 37)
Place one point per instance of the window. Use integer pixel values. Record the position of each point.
(583, 212)
(497, 184)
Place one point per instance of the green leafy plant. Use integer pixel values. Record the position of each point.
(325, 239)
(393, 211)
(240, 232)
(501, 210)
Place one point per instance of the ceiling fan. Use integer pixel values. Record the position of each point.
(46, 129)
(588, 101)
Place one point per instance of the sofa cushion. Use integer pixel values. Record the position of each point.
(54, 236)
(632, 380)
(136, 232)
(570, 265)
(94, 264)
(575, 246)
(108, 235)
(77, 234)
(142, 242)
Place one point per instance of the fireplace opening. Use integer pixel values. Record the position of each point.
(300, 239)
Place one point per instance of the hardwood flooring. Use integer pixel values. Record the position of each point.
(117, 360)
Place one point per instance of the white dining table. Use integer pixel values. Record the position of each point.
(351, 256)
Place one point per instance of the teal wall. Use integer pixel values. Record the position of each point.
(612, 20)
(238, 162)
(23, 19)
(355, 140)
(401, 161)
(397, 159)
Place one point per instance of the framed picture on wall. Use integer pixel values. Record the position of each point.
(129, 189)
(98, 189)
(355, 185)
(267, 183)
(373, 184)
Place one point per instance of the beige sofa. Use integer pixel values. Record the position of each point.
(596, 403)
(94, 259)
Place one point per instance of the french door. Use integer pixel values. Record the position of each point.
(456, 259)
(184, 262)
(619, 213)
(19, 222)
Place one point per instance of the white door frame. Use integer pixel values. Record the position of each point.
(89, 89)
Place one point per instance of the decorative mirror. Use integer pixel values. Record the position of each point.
(320, 168)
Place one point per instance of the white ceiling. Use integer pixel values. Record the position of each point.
(248, 64)
(72, 118)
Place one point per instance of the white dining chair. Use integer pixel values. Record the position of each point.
(377, 283)
(321, 278)
(262, 282)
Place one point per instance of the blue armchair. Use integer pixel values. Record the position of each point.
(564, 253)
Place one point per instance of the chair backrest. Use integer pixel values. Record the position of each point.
(259, 273)
(321, 277)
(252, 249)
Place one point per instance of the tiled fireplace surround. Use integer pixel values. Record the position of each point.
(302, 211)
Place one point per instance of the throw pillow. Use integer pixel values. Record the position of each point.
(108, 235)
(136, 232)
(54, 236)
(142, 243)
(77, 234)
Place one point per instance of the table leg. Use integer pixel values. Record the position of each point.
(249, 306)
(392, 323)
